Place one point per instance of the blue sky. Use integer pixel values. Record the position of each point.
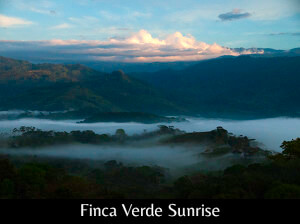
(228, 23)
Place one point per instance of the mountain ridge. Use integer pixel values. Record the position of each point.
(69, 87)
(223, 87)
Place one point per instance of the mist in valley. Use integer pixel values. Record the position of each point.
(270, 133)
(176, 160)
(179, 159)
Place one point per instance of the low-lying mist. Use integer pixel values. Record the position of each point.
(175, 157)
(270, 132)
(178, 160)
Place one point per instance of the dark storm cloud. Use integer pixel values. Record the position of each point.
(234, 15)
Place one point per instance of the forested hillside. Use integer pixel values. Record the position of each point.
(232, 87)
(242, 85)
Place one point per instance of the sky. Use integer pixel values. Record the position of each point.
(146, 31)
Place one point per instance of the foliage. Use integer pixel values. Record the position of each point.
(233, 87)
(57, 87)
(291, 148)
(37, 180)
(32, 137)
(21, 177)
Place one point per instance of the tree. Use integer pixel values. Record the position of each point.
(120, 134)
(284, 191)
(7, 169)
(291, 148)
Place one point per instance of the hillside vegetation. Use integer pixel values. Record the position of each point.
(234, 87)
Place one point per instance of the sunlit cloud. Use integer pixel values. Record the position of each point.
(7, 21)
(139, 47)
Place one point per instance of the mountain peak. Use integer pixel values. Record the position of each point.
(120, 74)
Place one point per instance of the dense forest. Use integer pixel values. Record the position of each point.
(275, 175)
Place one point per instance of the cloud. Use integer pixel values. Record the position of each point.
(109, 16)
(7, 21)
(84, 20)
(42, 6)
(140, 14)
(42, 11)
(285, 34)
(139, 47)
(129, 15)
(270, 10)
(142, 37)
(62, 26)
(234, 15)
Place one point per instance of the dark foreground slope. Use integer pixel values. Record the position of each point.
(34, 176)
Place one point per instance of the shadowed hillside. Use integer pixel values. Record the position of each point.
(234, 86)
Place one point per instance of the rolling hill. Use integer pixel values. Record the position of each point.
(75, 87)
(229, 87)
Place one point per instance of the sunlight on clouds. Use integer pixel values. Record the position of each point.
(6, 21)
(176, 47)
(139, 47)
(142, 37)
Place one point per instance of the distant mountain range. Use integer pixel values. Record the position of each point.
(244, 85)
(234, 87)
(269, 52)
(110, 66)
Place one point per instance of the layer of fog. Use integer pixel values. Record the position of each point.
(162, 156)
(270, 132)
(178, 160)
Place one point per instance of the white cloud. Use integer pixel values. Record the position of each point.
(129, 15)
(265, 10)
(7, 21)
(62, 26)
(141, 14)
(139, 47)
(84, 20)
(141, 37)
(42, 6)
(42, 11)
(272, 9)
(109, 16)
(142, 46)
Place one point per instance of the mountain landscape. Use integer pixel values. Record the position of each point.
(193, 99)
(55, 87)
(243, 86)
(129, 67)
